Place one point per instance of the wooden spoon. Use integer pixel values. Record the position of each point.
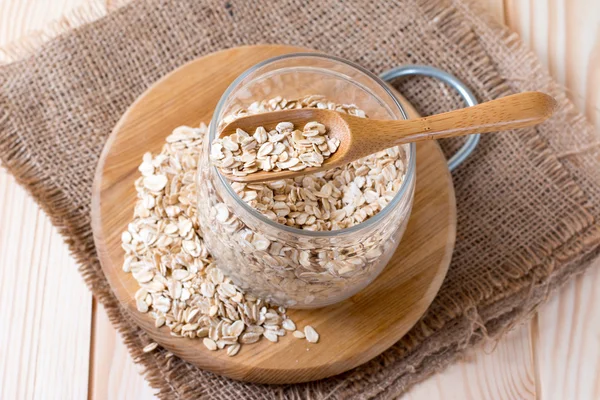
(360, 137)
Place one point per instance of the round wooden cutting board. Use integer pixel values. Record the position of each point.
(352, 332)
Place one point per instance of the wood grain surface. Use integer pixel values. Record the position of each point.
(380, 314)
(113, 373)
(45, 308)
(565, 34)
(566, 38)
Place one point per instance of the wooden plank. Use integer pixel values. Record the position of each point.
(36, 361)
(566, 340)
(114, 374)
(565, 34)
(504, 372)
(46, 308)
(21, 17)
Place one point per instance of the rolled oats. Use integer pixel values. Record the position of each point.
(233, 349)
(289, 325)
(285, 147)
(151, 347)
(209, 344)
(180, 286)
(336, 199)
(299, 334)
(290, 269)
(310, 334)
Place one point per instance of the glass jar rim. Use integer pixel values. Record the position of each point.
(406, 183)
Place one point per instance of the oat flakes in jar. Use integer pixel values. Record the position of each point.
(320, 238)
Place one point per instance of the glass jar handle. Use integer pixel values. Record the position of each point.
(452, 81)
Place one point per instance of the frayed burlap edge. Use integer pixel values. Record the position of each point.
(512, 274)
(490, 321)
(29, 44)
(477, 323)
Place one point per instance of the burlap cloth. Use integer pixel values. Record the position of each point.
(528, 201)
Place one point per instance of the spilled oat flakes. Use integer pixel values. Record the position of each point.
(180, 285)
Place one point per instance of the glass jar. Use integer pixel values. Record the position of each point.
(285, 265)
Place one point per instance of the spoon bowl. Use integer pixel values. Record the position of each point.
(337, 125)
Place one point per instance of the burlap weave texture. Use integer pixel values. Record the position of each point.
(528, 201)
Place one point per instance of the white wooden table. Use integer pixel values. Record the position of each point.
(57, 343)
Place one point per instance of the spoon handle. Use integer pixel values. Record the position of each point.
(510, 112)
